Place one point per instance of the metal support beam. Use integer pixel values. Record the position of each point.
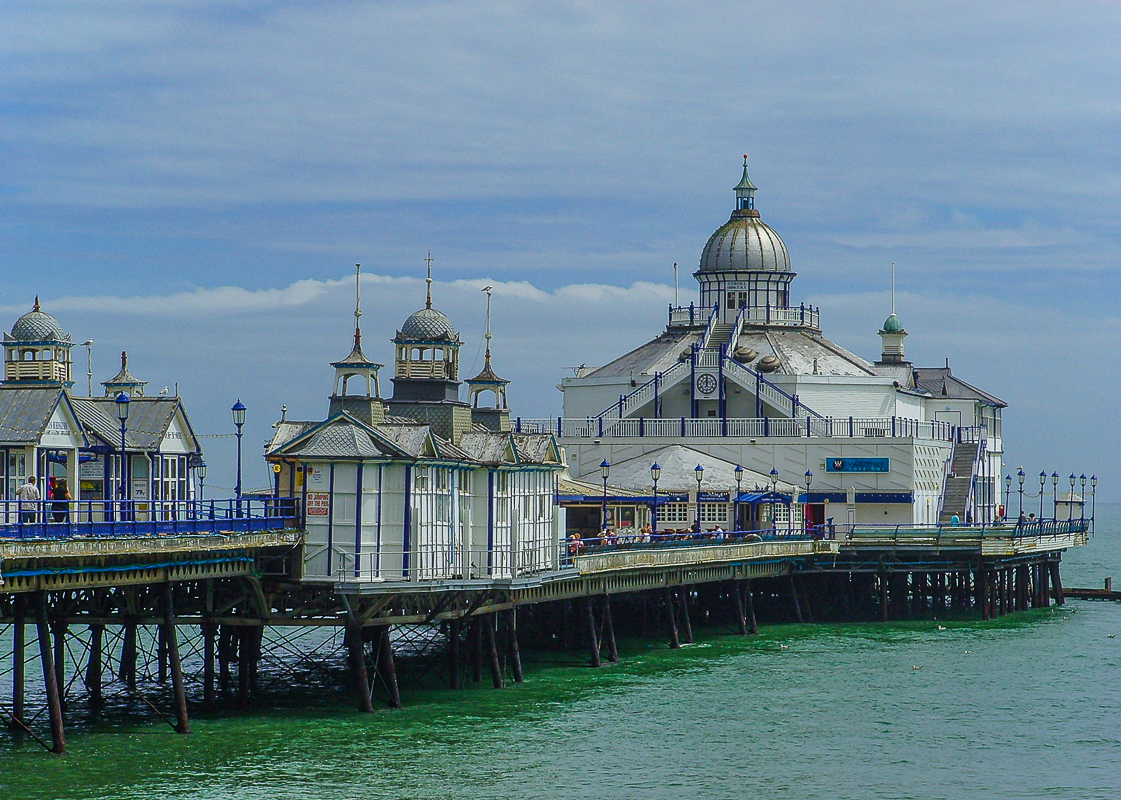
(50, 677)
(170, 640)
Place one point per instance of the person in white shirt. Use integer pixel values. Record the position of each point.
(29, 497)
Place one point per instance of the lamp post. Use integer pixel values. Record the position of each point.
(699, 471)
(1054, 495)
(122, 404)
(655, 473)
(200, 470)
(1093, 497)
(1042, 484)
(1020, 478)
(1070, 499)
(774, 490)
(1082, 498)
(738, 472)
(604, 471)
(238, 410)
(1007, 489)
(809, 481)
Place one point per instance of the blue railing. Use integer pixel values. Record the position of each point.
(637, 540)
(50, 519)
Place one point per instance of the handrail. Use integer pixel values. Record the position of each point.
(730, 347)
(874, 428)
(710, 326)
(777, 393)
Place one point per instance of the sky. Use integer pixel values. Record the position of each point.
(194, 182)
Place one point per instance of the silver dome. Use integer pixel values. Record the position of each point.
(428, 324)
(38, 326)
(745, 243)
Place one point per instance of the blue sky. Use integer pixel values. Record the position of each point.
(193, 181)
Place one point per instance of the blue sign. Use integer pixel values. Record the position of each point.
(672, 497)
(713, 497)
(856, 465)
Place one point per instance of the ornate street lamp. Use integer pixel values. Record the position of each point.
(1020, 477)
(699, 471)
(200, 470)
(1070, 499)
(1093, 497)
(604, 471)
(1007, 489)
(238, 410)
(774, 491)
(655, 473)
(1054, 495)
(1042, 483)
(809, 481)
(738, 472)
(1082, 499)
(122, 403)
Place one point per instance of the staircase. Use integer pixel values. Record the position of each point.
(959, 483)
(721, 334)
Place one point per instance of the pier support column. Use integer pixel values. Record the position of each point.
(244, 659)
(209, 634)
(749, 591)
(983, 592)
(737, 600)
(885, 597)
(671, 617)
(171, 647)
(127, 668)
(59, 629)
(1056, 582)
(475, 644)
(593, 636)
(609, 631)
(19, 665)
(498, 681)
(455, 628)
(356, 654)
(388, 669)
(227, 652)
(50, 677)
(161, 655)
(515, 651)
(794, 597)
(94, 667)
(686, 623)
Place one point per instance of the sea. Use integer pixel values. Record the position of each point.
(1027, 706)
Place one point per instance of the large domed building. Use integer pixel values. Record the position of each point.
(746, 374)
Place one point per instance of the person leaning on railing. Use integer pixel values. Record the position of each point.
(28, 494)
(60, 497)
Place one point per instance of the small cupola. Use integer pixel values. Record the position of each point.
(745, 190)
(487, 381)
(123, 382)
(37, 351)
(365, 403)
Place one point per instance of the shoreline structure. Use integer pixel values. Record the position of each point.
(738, 467)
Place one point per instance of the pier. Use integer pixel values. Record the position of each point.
(221, 587)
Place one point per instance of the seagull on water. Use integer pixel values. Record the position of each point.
(784, 647)
(916, 667)
(941, 627)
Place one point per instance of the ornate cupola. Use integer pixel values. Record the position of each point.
(123, 382)
(892, 333)
(745, 269)
(366, 404)
(37, 351)
(496, 418)
(426, 370)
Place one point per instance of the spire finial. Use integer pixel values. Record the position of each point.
(36, 306)
(892, 287)
(488, 290)
(745, 190)
(357, 306)
(428, 282)
(124, 359)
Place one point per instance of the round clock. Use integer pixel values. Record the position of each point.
(706, 384)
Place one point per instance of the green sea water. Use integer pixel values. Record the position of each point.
(1028, 706)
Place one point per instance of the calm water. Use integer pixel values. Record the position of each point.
(1021, 708)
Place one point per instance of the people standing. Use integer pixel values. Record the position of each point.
(60, 497)
(28, 494)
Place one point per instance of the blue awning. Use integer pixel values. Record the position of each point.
(764, 497)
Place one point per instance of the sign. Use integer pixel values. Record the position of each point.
(318, 504)
(713, 497)
(672, 497)
(91, 470)
(856, 465)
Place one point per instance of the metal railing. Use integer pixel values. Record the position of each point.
(692, 316)
(442, 563)
(637, 540)
(753, 427)
(998, 530)
(56, 519)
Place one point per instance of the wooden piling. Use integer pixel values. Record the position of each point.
(512, 638)
(171, 648)
(737, 600)
(50, 677)
(356, 654)
(496, 676)
(593, 636)
(671, 616)
(1056, 582)
(686, 623)
(19, 665)
(609, 631)
(388, 669)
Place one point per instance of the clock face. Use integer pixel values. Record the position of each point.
(706, 384)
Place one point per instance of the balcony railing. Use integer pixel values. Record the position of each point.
(52, 519)
(750, 427)
(694, 316)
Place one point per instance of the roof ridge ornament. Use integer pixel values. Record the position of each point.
(428, 282)
(745, 190)
(357, 308)
(35, 307)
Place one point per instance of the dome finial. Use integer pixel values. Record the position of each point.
(428, 282)
(488, 290)
(35, 307)
(357, 306)
(745, 190)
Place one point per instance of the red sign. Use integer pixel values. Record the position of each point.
(318, 504)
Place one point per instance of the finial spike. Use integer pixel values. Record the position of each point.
(486, 357)
(357, 306)
(892, 287)
(124, 359)
(428, 282)
(36, 306)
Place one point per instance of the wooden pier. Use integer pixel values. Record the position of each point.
(114, 611)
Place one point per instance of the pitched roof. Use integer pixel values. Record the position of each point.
(941, 382)
(148, 420)
(25, 411)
